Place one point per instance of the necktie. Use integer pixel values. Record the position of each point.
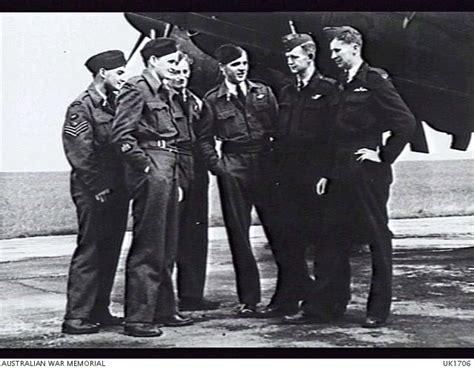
(299, 84)
(240, 94)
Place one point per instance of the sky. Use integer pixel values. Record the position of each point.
(42, 71)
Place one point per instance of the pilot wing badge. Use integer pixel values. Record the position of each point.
(360, 89)
(316, 96)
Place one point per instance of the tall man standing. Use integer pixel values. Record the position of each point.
(99, 194)
(304, 131)
(242, 114)
(360, 178)
(194, 183)
(146, 135)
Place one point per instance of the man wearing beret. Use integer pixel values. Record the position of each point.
(193, 208)
(360, 177)
(305, 126)
(148, 138)
(99, 194)
(242, 114)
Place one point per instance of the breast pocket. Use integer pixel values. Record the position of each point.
(162, 119)
(358, 112)
(357, 99)
(314, 116)
(227, 123)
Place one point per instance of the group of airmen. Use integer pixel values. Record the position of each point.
(309, 158)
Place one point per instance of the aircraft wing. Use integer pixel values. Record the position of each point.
(428, 55)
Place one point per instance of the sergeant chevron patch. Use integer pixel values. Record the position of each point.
(76, 129)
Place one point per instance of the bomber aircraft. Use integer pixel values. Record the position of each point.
(429, 55)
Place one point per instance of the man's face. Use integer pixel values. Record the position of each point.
(343, 54)
(297, 59)
(164, 65)
(114, 79)
(236, 71)
(181, 75)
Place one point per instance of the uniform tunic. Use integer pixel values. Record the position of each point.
(145, 132)
(304, 134)
(245, 127)
(193, 209)
(358, 191)
(95, 167)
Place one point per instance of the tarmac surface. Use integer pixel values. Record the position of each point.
(433, 304)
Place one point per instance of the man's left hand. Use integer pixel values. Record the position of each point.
(369, 154)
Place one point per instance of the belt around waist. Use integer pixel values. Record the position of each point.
(246, 147)
(177, 148)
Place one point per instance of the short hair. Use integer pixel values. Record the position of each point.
(309, 48)
(348, 35)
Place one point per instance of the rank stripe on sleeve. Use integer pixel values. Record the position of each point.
(76, 130)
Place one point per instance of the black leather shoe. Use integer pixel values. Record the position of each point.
(374, 323)
(79, 326)
(142, 330)
(175, 320)
(247, 310)
(108, 319)
(191, 304)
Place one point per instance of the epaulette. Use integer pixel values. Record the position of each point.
(133, 81)
(328, 79)
(78, 100)
(214, 89)
(259, 82)
(377, 75)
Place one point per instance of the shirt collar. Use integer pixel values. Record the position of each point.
(303, 82)
(98, 98)
(224, 90)
(351, 73)
(232, 87)
(154, 82)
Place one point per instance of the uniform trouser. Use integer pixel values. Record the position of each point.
(149, 293)
(301, 216)
(357, 207)
(193, 228)
(248, 181)
(94, 262)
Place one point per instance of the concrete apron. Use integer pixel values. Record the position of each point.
(433, 286)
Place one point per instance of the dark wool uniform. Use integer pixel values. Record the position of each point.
(358, 192)
(95, 167)
(193, 209)
(146, 134)
(244, 172)
(304, 132)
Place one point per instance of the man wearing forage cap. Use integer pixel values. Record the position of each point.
(146, 136)
(99, 194)
(242, 114)
(361, 174)
(305, 130)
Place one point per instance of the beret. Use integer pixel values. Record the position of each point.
(108, 60)
(227, 53)
(159, 47)
(333, 32)
(292, 40)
